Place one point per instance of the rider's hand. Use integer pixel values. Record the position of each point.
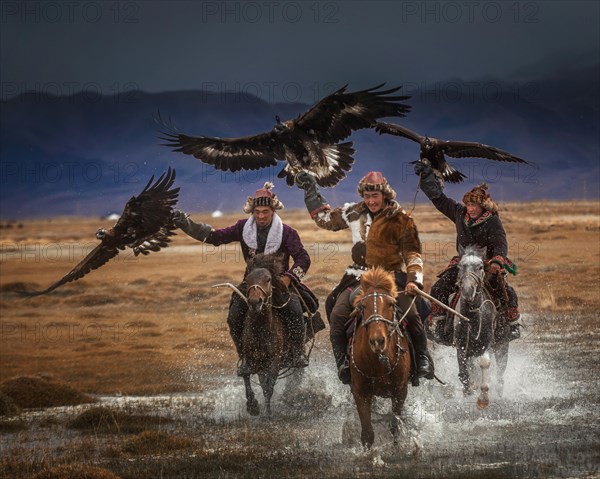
(410, 288)
(285, 279)
(494, 268)
(422, 167)
(179, 218)
(304, 180)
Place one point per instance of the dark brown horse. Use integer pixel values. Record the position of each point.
(264, 339)
(379, 352)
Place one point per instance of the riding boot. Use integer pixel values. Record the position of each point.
(299, 358)
(515, 323)
(235, 321)
(338, 344)
(296, 333)
(425, 368)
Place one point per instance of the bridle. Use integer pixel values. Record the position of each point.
(478, 278)
(392, 326)
(376, 317)
(268, 296)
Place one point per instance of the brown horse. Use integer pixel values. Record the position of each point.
(264, 341)
(379, 352)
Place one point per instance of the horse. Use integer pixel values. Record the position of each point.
(264, 343)
(484, 331)
(379, 352)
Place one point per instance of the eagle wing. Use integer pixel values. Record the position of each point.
(335, 117)
(145, 225)
(96, 258)
(227, 154)
(468, 149)
(397, 130)
(146, 214)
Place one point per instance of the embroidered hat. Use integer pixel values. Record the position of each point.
(263, 197)
(480, 196)
(375, 181)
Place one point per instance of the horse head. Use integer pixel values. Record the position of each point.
(470, 272)
(262, 279)
(377, 305)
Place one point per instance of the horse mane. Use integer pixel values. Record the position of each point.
(473, 251)
(377, 278)
(271, 262)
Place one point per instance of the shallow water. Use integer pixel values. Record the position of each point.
(544, 425)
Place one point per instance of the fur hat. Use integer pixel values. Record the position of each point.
(263, 197)
(375, 181)
(480, 196)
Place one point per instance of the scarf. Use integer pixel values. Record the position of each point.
(273, 239)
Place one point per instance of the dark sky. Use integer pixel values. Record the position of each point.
(283, 50)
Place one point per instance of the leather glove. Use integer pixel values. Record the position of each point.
(199, 231)
(179, 218)
(423, 167)
(305, 180)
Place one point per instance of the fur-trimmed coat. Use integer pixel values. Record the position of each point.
(389, 239)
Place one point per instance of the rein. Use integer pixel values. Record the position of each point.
(395, 327)
(269, 297)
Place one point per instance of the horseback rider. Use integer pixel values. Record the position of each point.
(263, 232)
(477, 223)
(383, 234)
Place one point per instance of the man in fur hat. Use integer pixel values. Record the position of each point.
(477, 223)
(383, 234)
(263, 232)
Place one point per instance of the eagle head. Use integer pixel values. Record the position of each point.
(427, 143)
(100, 233)
(279, 125)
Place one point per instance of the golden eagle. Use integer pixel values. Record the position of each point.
(434, 150)
(144, 226)
(308, 143)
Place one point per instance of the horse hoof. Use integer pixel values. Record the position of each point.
(252, 408)
(483, 403)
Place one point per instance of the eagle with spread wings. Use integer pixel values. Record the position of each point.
(311, 142)
(434, 150)
(144, 226)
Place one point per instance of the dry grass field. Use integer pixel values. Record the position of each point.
(154, 325)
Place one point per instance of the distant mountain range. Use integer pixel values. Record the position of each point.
(86, 155)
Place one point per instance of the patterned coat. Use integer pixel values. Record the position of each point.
(389, 239)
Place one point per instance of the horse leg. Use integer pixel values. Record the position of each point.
(463, 371)
(251, 402)
(363, 406)
(267, 382)
(483, 400)
(501, 354)
(397, 426)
